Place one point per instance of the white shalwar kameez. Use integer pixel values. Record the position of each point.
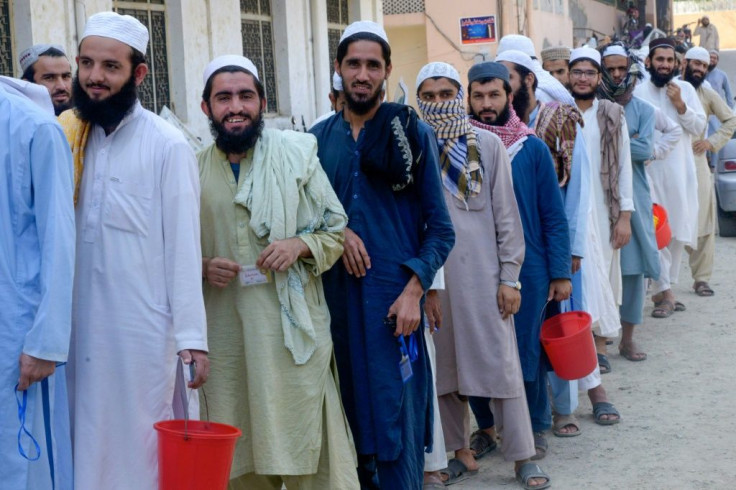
(137, 297)
(602, 271)
(673, 181)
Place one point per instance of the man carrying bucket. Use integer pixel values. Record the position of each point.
(271, 225)
(137, 285)
(639, 258)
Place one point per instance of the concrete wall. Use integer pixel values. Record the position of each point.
(408, 56)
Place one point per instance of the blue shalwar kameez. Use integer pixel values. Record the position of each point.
(405, 232)
(36, 271)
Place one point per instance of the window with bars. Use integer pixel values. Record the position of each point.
(257, 30)
(6, 40)
(337, 20)
(155, 91)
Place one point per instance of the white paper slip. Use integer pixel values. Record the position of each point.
(250, 275)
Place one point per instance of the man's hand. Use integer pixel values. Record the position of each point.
(219, 271)
(622, 230)
(201, 364)
(509, 300)
(575, 264)
(281, 254)
(702, 146)
(406, 308)
(355, 257)
(675, 95)
(33, 369)
(433, 310)
(559, 289)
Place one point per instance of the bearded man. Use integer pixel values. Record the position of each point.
(639, 258)
(702, 256)
(138, 285)
(673, 180)
(545, 274)
(48, 65)
(270, 216)
(718, 79)
(555, 60)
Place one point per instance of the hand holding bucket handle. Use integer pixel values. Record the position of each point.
(202, 364)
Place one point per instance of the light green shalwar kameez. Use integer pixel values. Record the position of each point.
(290, 413)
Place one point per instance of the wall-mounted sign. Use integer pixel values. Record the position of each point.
(478, 30)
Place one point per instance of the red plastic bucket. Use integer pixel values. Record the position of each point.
(568, 341)
(200, 459)
(661, 226)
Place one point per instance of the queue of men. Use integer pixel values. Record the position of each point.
(294, 270)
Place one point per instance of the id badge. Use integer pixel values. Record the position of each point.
(250, 275)
(405, 368)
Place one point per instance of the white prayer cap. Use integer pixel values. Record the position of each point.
(698, 53)
(123, 28)
(585, 53)
(518, 57)
(615, 50)
(437, 69)
(337, 82)
(31, 55)
(516, 42)
(366, 26)
(229, 60)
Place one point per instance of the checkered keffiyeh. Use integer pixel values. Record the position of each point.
(462, 174)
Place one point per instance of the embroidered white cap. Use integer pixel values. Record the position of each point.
(698, 53)
(29, 56)
(337, 82)
(615, 50)
(437, 69)
(123, 28)
(585, 53)
(367, 26)
(516, 42)
(229, 60)
(518, 57)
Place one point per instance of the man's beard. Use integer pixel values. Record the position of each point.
(501, 119)
(107, 112)
(583, 96)
(521, 100)
(60, 107)
(690, 77)
(660, 80)
(362, 107)
(712, 67)
(237, 142)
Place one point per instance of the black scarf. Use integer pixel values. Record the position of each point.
(392, 147)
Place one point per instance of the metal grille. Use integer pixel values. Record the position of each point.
(257, 7)
(258, 46)
(402, 6)
(337, 21)
(333, 39)
(6, 40)
(155, 91)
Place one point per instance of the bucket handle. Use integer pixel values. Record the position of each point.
(185, 398)
(544, 308)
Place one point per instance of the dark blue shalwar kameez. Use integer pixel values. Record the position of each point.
(405, 232)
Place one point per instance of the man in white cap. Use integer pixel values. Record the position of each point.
(36, 276)
(48, 65)
(702, 256)
(337, 99)
(383, 163)
(271, 224)
(555, 60)
(639, 258)
(609, 229)
(673, 180)
(138, 282)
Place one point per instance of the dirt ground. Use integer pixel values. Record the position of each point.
(677, 406)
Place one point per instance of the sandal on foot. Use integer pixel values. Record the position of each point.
(703, 289)
(531, 470)
(565, 422)
(456, 472)
(481, 443)
(605, 408)
(433, 483)
(603, 364)
(631, 355)
(540, 445)
(680, 306)
(663, 309)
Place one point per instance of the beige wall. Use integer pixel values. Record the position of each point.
(408, 56)
(724, 20)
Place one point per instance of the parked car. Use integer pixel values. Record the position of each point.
(725, 179)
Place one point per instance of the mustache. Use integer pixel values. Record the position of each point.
(97, 85)
(62, 92)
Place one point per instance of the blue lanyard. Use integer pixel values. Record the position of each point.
(413, 351)
(22, 419)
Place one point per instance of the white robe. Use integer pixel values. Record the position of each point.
(673, 180)
(137, 297)
(602, 271)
